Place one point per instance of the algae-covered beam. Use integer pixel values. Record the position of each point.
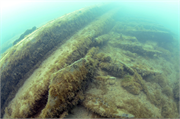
(69, 47)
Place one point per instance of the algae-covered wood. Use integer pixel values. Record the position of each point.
(88, 64)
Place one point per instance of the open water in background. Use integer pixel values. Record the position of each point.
(18, 16)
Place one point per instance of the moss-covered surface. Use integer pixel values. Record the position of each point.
(65, 89)
(130, 85)
(114, 67)
(26, 54)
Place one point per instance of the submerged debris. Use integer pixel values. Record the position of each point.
(113, 67)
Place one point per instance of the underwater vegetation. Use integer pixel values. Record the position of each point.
(26, 55)
(114, 69)
(130, 85)
(127, 78)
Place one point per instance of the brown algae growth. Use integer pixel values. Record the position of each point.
(94, 63)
